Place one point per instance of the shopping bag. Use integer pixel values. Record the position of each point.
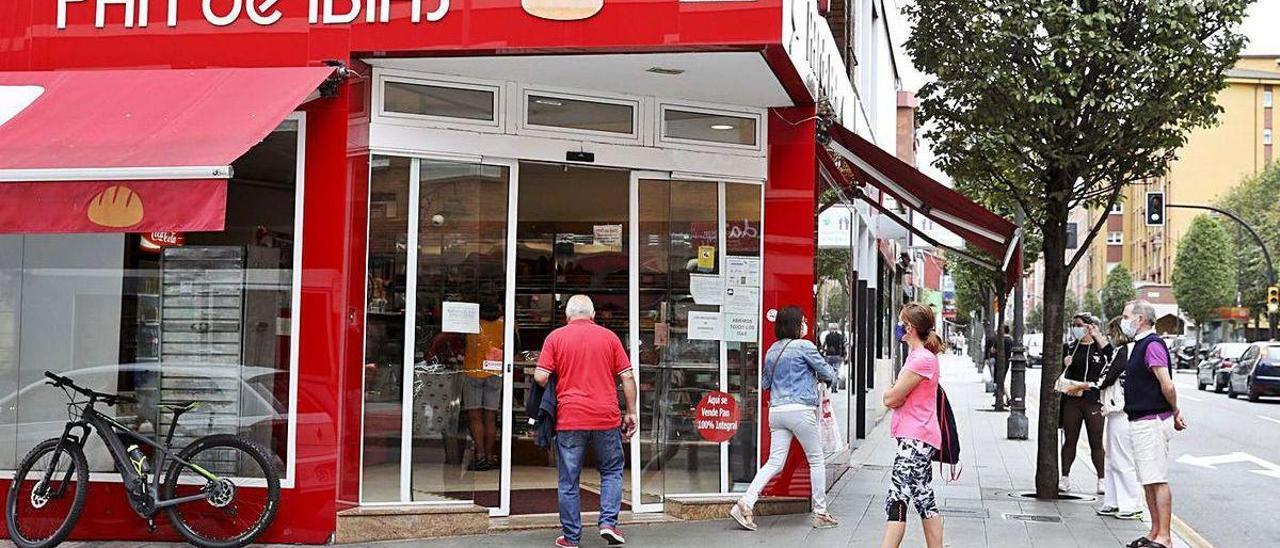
(828, 426)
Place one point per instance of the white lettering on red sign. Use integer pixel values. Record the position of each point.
(222, 13)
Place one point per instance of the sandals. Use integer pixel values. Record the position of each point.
(1144, 542)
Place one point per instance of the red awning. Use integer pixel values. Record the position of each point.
(134, 150)
(979, 227)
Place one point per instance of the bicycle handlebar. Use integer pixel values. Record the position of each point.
(109, 399)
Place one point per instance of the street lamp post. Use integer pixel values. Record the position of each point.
(1018, 425)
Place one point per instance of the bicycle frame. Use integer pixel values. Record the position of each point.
(114, 435)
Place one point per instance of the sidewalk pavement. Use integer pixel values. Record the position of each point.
(979, 510)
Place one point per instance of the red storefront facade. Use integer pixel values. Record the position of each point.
(351, 135)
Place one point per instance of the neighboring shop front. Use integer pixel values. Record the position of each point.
(366, 289)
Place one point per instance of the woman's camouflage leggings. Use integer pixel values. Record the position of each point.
(911, 478)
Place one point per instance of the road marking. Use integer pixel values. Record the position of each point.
(1212, 462)
(1269, 419)
(1192, 398)
(1189, 535)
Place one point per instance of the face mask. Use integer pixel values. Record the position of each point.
(1077, 332)
(899, 331)
(1130, 330)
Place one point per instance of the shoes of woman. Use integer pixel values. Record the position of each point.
(742, 514)
(824, 521)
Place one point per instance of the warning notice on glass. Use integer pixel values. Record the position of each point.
(716, 417)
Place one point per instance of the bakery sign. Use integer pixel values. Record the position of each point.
(222, 13)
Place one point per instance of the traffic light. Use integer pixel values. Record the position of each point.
(1273, 299)
(1155, 209)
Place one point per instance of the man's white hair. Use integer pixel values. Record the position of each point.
(580, 307)
(1143, 308)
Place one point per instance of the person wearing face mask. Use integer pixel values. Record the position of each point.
(1086, 356)
(793, 367)
(915, 428)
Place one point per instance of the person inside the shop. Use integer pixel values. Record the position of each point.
(913, 399)
(793, 367)
(482, 388)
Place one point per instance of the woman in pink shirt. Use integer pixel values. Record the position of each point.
(913, 399)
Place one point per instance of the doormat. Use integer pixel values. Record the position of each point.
(533, 501)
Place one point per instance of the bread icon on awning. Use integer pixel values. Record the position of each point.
(116, 207)
(562, 10)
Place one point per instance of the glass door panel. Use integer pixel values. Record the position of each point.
(385, 328)
(572, 237)
(679, 257)
(742, 247)
(459, 357)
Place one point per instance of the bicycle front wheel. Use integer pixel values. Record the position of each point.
(241, 497)
(47, 494)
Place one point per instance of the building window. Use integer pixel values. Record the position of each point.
(561, 112)
(1266, 99)
(1117, 208)
(159, 317)
(439, 100)
(1115, 237)
(1266, 136)
(709, 127)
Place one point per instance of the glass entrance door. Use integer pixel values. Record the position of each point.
(437, 347)
(572, 237)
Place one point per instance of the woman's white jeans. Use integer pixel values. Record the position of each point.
(1121, 477)
(783, 426)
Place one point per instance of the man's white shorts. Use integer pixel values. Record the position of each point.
(1151, 449)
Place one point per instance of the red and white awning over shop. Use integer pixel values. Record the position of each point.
(134, 150)
(979, 227)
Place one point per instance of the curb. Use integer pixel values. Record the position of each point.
(1188, 535)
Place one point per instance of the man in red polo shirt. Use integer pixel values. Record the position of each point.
(588, 361)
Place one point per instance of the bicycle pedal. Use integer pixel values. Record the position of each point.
(151, 526)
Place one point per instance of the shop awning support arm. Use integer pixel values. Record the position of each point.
(923, 236)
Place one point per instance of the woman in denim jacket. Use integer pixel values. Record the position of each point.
(793, 367)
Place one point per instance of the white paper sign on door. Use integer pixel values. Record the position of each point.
(742, 271)
(743, 300)
(740, 327)
(706, 289)
(607, 235)
(460, 317)
(705, 326)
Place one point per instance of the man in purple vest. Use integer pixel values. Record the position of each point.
(1151, 401)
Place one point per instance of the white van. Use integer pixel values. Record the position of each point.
(1034, 343)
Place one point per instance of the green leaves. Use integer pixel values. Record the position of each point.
(1204, 273)
(1117, 291)
(1255, 201)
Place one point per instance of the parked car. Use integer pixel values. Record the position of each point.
(1215, 369)
(1034, 343)
(1257, 373)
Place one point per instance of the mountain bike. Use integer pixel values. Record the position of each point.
(221, 491)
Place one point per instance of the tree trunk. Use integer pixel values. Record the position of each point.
(1055, 289)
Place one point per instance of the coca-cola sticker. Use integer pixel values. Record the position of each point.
(716, 417)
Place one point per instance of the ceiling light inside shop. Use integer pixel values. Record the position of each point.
(548, 102)
(722, 127)
(663, 70)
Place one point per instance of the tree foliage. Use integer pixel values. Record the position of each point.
(1049, 105)
(1254, 201)
(1117, 291)
(1035, 319)
(1204, 275)
(974, 284)
(1091, 304)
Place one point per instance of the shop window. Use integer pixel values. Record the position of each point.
(709, 127)
(204, 316)
(555, 111)
(453, 101)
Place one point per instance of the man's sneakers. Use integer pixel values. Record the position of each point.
(612, 535)
(1128, 516)
(1107, 511)
(562, 543)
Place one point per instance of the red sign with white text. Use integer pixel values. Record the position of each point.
(716, 417)
(113, 206)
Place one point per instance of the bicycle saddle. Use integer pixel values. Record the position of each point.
(180, 407)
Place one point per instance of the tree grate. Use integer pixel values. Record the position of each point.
(1033, 518)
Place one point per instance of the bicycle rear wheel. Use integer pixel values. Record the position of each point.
(40, 513)
(240, 504)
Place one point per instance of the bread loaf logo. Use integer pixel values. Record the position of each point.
(116, 207)
(562, 10)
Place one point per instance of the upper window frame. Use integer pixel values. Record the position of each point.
(636, 137)
(660, 125)
(497, 125)
(1119, 241)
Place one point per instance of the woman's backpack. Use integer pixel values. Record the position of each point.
(949, 453)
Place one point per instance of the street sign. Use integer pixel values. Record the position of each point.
(1155, 209)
